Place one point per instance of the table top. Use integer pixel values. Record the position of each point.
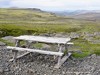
(43, 39)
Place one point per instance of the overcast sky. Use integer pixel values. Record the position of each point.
(53, 5)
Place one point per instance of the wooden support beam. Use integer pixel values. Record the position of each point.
(20, 56)
(62, 60)
(35, 50)
(66, 49)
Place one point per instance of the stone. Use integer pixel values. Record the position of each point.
(63, 72)
(43, 65)
(95, 41)
(74, 35)
(9, 38)
(79, 51)
(97, 33)
(93, 55)
(30, 72)
(45, 46)
(2, 43)
(1, 70)
(58, 35)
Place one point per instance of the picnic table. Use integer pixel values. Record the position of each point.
(42, 39)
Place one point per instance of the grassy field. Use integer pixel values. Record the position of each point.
(86, 47)
(17, 22)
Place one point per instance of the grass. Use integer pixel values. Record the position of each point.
(38, 45)
(23, 14)
(80, 55)
(86, 47)
(16, 30)
(90, 27)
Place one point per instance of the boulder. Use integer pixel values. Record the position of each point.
(2, 43)
(9, 38)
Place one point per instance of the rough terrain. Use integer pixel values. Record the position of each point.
(37, 64)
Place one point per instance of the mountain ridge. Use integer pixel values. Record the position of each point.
(81, 14)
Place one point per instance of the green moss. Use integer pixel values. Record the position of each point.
(16, 30)
(86, 47)
(38, 45)
(80, 55)
(97, 51)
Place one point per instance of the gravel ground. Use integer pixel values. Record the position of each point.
(37, 64)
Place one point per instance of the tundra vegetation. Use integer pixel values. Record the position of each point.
(15, 22)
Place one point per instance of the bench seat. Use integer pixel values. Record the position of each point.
(35, 50)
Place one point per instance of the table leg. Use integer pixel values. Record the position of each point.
(66, 49)
(60, 50)
(15, 51)
(28, 44)
(62, 59)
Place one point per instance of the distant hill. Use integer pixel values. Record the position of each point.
(22, 14)
(81, 14)
(37, 15)
(88, 16)
(16, 8)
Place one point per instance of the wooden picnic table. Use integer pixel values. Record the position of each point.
(42, 39)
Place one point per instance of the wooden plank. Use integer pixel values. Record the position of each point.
(35, 50)
(20, 56)
(62, 60)
(44, 39)
(70, 43)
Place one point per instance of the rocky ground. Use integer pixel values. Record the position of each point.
(37, 64)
